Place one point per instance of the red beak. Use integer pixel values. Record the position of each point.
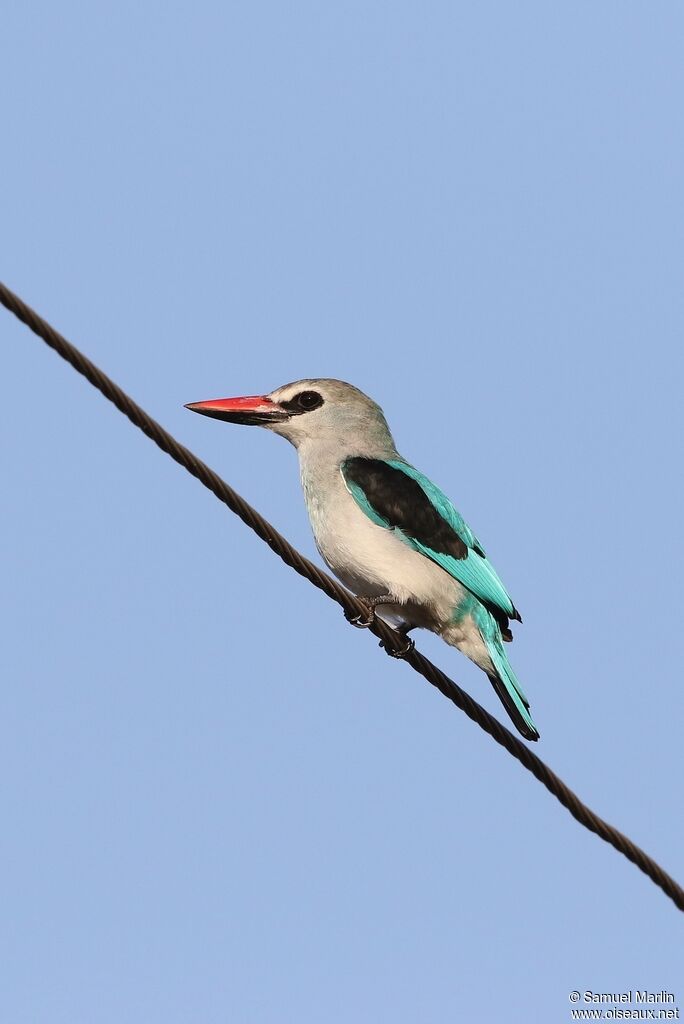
(252, 409)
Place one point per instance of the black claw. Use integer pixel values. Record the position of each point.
(403, 652)
(359, 621)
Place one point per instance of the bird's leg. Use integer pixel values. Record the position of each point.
(404, 651)
(371, 604)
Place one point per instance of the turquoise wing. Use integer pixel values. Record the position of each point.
(388, 502)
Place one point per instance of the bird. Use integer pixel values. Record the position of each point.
(385, 530)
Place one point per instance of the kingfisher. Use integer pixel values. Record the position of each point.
(385, 530)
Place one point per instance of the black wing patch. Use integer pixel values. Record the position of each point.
(405, 506)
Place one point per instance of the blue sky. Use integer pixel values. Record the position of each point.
(219, 802)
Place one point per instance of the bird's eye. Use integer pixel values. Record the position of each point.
(308, 400)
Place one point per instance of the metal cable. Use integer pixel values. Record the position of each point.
(352, 606)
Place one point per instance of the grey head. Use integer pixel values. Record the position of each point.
(311, 412)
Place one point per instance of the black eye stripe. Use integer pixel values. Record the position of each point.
(305, 401)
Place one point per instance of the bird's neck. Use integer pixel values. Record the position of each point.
(316, 454)
(320, 462)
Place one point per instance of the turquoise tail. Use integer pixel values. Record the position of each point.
(508, 689)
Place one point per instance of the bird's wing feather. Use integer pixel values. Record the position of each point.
(396, 496)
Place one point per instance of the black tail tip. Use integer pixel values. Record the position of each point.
(525, 728)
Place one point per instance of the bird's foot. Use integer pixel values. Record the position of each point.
(402, 652)
(359, 621)
(371, 604)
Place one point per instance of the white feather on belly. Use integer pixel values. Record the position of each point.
(371, 560)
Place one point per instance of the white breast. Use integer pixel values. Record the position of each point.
(370, 559)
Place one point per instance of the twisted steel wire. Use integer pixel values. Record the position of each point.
(391, 640)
